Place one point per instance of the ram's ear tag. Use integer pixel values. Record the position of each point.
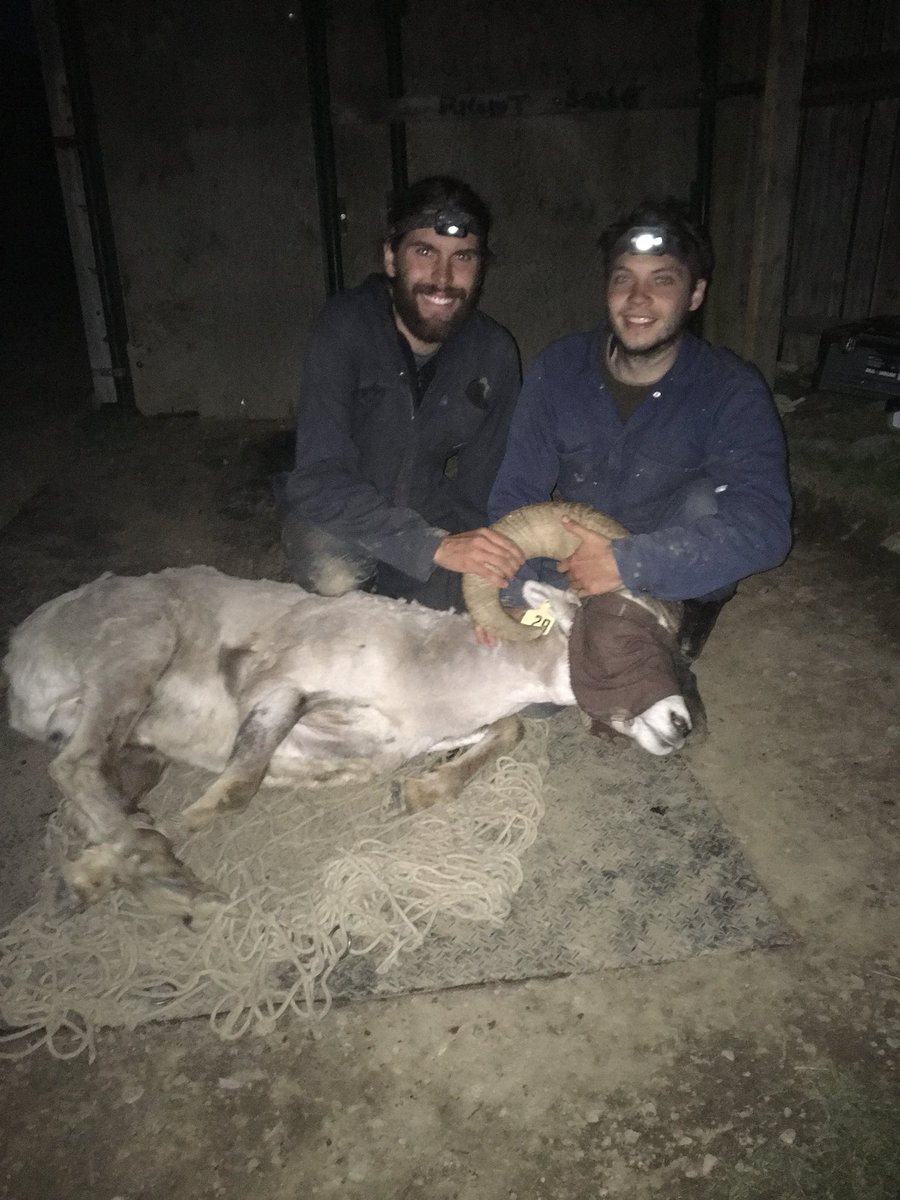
(542, 616)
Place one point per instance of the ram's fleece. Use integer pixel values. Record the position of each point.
(263, 682)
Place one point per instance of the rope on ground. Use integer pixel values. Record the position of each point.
(311, 878)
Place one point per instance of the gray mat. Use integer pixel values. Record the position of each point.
(632, 865)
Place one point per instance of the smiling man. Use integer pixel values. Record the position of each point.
(405, 403)
(676, 439)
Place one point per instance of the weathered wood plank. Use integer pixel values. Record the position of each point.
(71, 182)
(871, 214)
(779, 130)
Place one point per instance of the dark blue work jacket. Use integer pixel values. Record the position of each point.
(376, 464)
(710, 417)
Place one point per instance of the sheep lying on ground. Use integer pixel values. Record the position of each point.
(263, 682)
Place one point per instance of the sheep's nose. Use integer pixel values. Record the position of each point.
(681, 724)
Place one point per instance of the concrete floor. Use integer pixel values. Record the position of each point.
(699, 1078)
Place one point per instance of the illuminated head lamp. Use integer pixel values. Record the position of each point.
(447, 222)
(653, 239)
(649, 239)
(452, 224)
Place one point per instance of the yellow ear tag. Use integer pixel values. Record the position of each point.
(542, 616)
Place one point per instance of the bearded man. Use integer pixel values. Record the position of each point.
(406, 398)
(676, 439)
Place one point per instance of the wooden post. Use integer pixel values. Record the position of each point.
(779, 132)
(71, 179)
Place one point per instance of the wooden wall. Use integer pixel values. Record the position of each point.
(563, 115)
(843, 241)
(845, 257)
(563, 112)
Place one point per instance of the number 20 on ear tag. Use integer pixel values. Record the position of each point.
(542, 616)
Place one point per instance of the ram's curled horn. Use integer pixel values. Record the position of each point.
(537, 529)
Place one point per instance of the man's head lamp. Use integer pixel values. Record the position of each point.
(649, 239)
(445, 221)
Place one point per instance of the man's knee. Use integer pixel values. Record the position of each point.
(320, 562)
(442, 590)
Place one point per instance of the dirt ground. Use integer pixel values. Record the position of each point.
(729, 1075)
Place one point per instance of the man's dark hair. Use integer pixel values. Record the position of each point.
(429, 198)
(684, 239)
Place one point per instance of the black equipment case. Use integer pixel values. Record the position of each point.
(862, 358)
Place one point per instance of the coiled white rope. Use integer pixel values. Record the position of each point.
(312, 878)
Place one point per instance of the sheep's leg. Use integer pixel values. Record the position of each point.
(126, 850)
(85, 769)
(447, 781)
(261, 732)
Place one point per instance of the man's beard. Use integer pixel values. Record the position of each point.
(432, 329)
(667, 337)
(661, 344)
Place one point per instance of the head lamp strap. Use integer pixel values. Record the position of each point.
(449, 222)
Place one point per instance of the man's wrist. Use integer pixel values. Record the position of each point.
(629, 578)
(437, 537)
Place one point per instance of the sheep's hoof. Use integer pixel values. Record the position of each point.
(93, 876)
(225, 795)
(395, 802)
(180, 896)
(67, 899)
(422, 793)
(145, 864)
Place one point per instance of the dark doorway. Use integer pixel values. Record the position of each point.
(44, 369)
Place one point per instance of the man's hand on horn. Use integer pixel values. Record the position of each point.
(483, 552)
(591, 568)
